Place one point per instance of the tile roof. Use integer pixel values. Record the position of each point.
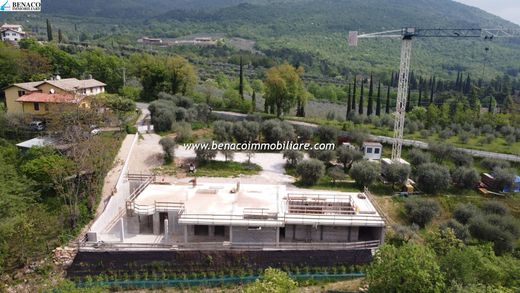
(48, 98)
(30, 86)
(72, 84)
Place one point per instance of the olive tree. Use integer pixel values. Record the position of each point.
(293, 157)
(365, 172)
(205, 154)
(168, 145)
(433, 178)
(310, 171)
(347, 155)
(504, 177)
(327, 133)
(397, 173)
(223, 130)
(465, 177)
(418, 157)
(421, 211)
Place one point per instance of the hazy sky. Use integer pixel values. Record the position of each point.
(507, 9)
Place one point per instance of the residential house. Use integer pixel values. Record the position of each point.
(41, 98)
(11, 32)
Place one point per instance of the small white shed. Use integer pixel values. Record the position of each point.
(372, 150)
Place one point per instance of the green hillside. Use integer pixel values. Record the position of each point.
(308, 33)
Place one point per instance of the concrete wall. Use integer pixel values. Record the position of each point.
(244, 235)
(117, 203)
(11, 94)
(321, 233)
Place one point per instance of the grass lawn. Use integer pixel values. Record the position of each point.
(226, 169)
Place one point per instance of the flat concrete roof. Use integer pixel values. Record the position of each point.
(252, 205)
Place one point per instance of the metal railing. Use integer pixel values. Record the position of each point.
(226, 245)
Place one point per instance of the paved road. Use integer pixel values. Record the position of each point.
(383, 139)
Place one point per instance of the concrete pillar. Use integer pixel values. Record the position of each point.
(211, 231)
(277, 236)
(185, 233)
(171, 222)
(122, 227)
(382, 236)
(231, 234)
(166, 230)
(156, 224)
(348, 237)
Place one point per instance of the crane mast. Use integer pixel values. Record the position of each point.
(406, 35)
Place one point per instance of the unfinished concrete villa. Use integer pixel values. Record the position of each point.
(189, 216)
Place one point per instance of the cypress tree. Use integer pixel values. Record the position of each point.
(361, 98)
(370, 97)
(392, 79)
(349, 101)
(467, 86)
(432, 89)
(60, 37)
(378, 103)
(49, 31)
(420, 93)
(354, 96)
(253, 101)
(387, 106)
(241, 85)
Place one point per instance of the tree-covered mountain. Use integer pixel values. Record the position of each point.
(313, 33)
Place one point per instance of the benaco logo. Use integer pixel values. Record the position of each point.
(20, 5)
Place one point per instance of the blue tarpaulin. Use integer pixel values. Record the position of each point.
(515, 187)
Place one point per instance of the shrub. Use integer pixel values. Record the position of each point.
(463, 213)
(346, 156)
(418, 157)
(327, 133)
(275, 130)
(494, 207)
(433, 178)
(482, 229)
(397, 173)
(293, 157)
(272, 280)
(130, 129)
(460, 230)
(223, 130)
(310, 171)
(460, 158)
(304, 133)
(336, 173)
(204, 155)
(163, 120)
(421, 211)
(181, 114)
(358, 136)
(326, 156)
(168, 145)
(504, 177)
(465, 177)
(510, 139)
(441, 151)
(183, 132)
(365, 172)
(491, 164)
(246, 131)
(463, 137)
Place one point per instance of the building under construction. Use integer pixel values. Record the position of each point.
(235, 216)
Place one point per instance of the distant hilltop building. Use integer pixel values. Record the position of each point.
(11, 32)
(40, 98)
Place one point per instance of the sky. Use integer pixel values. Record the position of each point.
(507, 9)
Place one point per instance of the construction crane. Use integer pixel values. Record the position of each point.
(407, 35)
